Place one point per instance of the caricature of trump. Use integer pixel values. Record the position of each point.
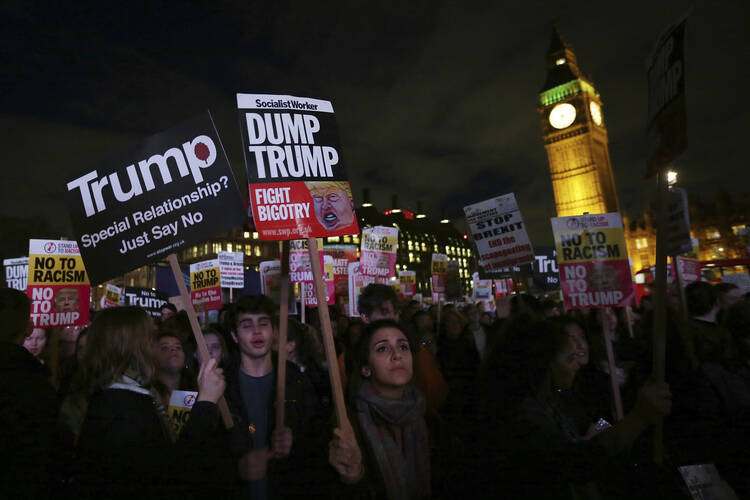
(333, 203)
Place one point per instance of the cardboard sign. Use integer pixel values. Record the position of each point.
(150, 300)
(232, 269)
(545, 272)
(16, 271)
(482, 289)
(297, 180)
(742, 280)
(180, 405)
(342, 255)
(378, 253)
(408, 281)
(111, 297)
(58, 284)
(357, 281)
(438, 273)
(300, 270)
(593, 261)
(690, 269)
(173, 190)
(205, 285)
(307, 288)
(270, 284)
(667, 131)
(499, 233)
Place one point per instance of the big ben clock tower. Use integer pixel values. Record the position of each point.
(575, 136)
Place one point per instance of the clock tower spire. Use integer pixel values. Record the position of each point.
(575, 136)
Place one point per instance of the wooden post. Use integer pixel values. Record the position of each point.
(283, 324)
(325, 326)
(660, 305)
(197, 333)
(629, 319)
(612, 366)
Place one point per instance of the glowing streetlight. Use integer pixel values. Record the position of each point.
(671, 177)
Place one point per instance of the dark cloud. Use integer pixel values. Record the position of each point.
(436, 101)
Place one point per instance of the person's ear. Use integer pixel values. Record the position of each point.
(366, 372)
(234, 337)
(291, 346)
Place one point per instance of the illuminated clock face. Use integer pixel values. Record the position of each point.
(562, 115)
(596, 112)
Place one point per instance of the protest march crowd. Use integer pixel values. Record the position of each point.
(445, 402)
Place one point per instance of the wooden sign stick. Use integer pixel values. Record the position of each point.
(325, 325)
(197, 333)
(660, 305)
(283, 324)
(612, 367)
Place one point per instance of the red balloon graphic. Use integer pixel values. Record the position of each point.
(202, 152)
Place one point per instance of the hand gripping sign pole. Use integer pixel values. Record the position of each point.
(325, 323)
(197, 333)
(283, 324)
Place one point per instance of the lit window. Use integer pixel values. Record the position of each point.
(255, 235)
(257, 250)
(641, 243)
(712, 233)
(195, 251)
(347, 239)
(249, 251)
(424, 247)
(246, 234)
(435, 248)
(216, 247)
(411, 246)
(355, 238)
(334, 239)
(229, 247)
(411, 257)
(741, 229)
(559, 61)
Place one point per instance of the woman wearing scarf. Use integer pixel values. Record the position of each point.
(127, 448)
(393, 450)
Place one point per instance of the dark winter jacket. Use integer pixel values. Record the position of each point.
(28, 417)
(305, 473)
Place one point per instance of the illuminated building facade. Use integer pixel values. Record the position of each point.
(575, 136)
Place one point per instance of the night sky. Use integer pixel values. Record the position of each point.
(435, 101)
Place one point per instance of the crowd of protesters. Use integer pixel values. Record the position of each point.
(453, 401)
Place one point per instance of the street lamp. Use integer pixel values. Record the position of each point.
(671, 178)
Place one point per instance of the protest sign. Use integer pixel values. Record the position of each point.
(667, 135)
(342, 256)
(150, 300)
(438, 274)
(205, 285)
(481, 289)
(357, 281)
(300, 271)
(499, 233)
(742, 280)
(408, 281)
(378, 252)
(689, 269)
(504, 286)
(232, 269)
(111, 297)
(173, 190)
(677, 230)
(57, 284)
(545, 273)
(16, 271)
(593, 261)
(270, 280)
(297, 180)
(180, 405)
(307, 288)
